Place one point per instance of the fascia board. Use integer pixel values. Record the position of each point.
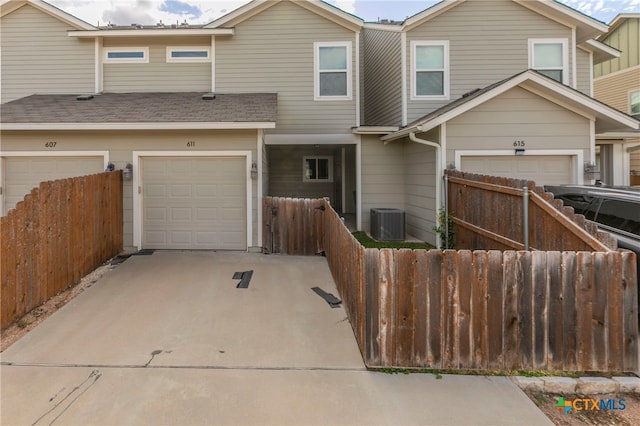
(150, 33)
(139, 126)
(430, 13)
(54, 12)
(240, 14)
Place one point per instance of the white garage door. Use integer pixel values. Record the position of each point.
(194, 203)
(543, 169)
(22, 174)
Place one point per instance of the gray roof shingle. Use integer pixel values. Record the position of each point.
(142, 108)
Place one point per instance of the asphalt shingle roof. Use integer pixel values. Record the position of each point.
(142, 108)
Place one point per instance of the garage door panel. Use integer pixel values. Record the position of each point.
(204, 199)
(22, 174)
(544, 170)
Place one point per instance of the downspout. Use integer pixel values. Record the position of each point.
(414, 138)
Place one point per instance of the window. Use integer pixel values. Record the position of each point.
(430, 69)
(549, 57)
(189, 54)
(317, 169)
(332, 63)
(634, 104)
(129, 54)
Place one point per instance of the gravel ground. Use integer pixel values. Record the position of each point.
(28, 322)
(630, 416)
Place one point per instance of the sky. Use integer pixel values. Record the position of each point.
(148, 12)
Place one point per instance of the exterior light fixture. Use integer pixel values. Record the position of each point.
(127, 172)
(254, 171)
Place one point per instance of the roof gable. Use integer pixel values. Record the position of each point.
(534, 82)
(8, 6)
(616, 22)
(586, 27)
(320, 8)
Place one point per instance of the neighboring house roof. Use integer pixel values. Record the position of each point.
(601, 52)
(8, 6)
(617, 21)
(609, 119)
(321, 8)
(140, 111)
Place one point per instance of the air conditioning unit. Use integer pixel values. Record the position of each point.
(387, 224)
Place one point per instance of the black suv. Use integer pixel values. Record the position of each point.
(616, 211)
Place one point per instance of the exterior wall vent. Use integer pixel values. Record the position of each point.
(387, 224)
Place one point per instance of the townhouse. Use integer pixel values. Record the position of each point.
(298, 98)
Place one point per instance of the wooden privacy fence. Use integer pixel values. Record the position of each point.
(293, 225)
(488, 213)
(60, 232)
(484, 310)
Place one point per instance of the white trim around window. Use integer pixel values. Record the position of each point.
(335, 68)
(188, 54)
(115, 55)
(417, 67)
(535, 64)
(634, 95)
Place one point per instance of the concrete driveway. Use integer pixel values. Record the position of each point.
(169, 339)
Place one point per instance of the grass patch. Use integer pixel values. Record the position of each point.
(439, 372)
(369, 242)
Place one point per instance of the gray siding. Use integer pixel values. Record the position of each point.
(285, 172)
(584, 72)
(518, 115)
(121, 145)
(420, 191)
(488, 43)
(158, 75)
(383, 176)
(39, 57)
(273, 52)
(382, 78)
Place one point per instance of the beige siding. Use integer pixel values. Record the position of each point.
(121, 145)
(518, 115)
(613, 89)
(420, 191)
(584, 71)
(273, 52)
(158, 75)
(625, 38)
(382, 78)
(383, 176)
(39, 57)
(488, 43)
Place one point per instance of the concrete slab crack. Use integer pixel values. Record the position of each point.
(60, 407)
(153, 355)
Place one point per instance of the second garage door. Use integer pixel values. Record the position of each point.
(543, 169)
(194, 203)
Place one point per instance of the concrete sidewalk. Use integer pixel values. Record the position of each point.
(169, 339)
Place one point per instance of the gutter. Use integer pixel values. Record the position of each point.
(437, 147)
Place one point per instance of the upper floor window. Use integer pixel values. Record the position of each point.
(128, 54)
(634, 103)
(549, 57)
(332, 62)
(430, 72)
(188, 54)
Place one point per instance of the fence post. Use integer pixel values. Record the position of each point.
(446, 212)
(525, 217)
